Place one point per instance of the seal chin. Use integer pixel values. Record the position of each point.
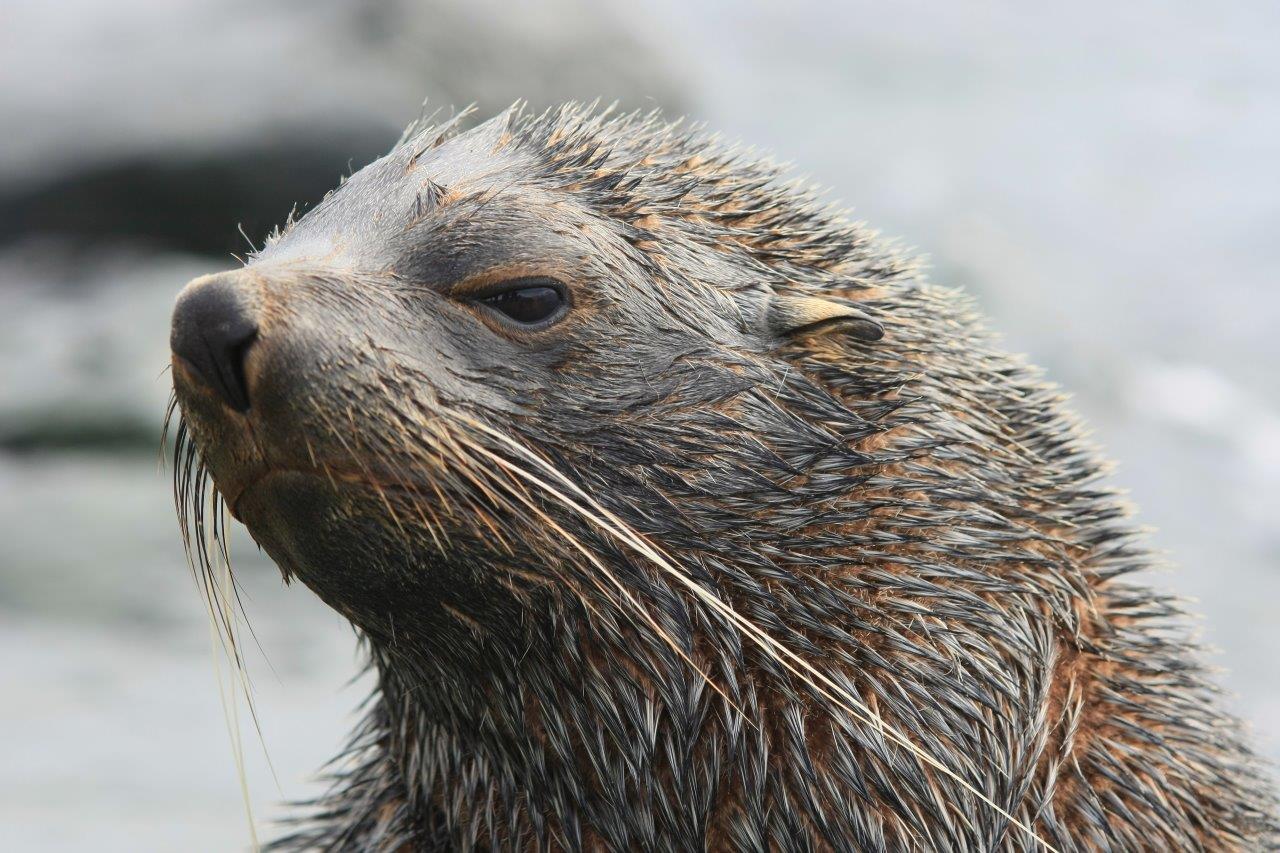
(299, 518)
(334, 535)
(265, 498)
(240, 487)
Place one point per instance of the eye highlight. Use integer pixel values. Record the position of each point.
(531, 302)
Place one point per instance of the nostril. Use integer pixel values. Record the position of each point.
(213, 330)
(235, 357)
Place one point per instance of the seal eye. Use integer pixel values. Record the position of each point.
(529, 302)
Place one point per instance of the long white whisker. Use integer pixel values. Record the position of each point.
(789, 659)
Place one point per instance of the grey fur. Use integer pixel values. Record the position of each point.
(915, 515)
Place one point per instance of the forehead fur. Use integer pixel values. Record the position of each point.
(666, 186)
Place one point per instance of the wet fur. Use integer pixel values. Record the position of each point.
(917, 517)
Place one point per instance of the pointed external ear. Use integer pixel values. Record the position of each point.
(787, 316)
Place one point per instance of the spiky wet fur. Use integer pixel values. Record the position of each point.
(917, 519)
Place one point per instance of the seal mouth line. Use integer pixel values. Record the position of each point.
(333, 474)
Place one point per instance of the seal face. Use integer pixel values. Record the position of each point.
(678, 512)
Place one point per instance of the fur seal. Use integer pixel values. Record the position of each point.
(679, 513)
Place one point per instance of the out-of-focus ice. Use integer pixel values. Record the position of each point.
(114, 735)
(88, 82)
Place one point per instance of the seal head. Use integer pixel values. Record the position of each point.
(679, 512)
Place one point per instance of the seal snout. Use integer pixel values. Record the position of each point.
(214, 326)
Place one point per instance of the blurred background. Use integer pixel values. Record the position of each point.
(1103, 177)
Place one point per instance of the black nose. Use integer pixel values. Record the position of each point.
(212, 331)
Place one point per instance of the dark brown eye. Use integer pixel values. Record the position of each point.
(529, 302)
